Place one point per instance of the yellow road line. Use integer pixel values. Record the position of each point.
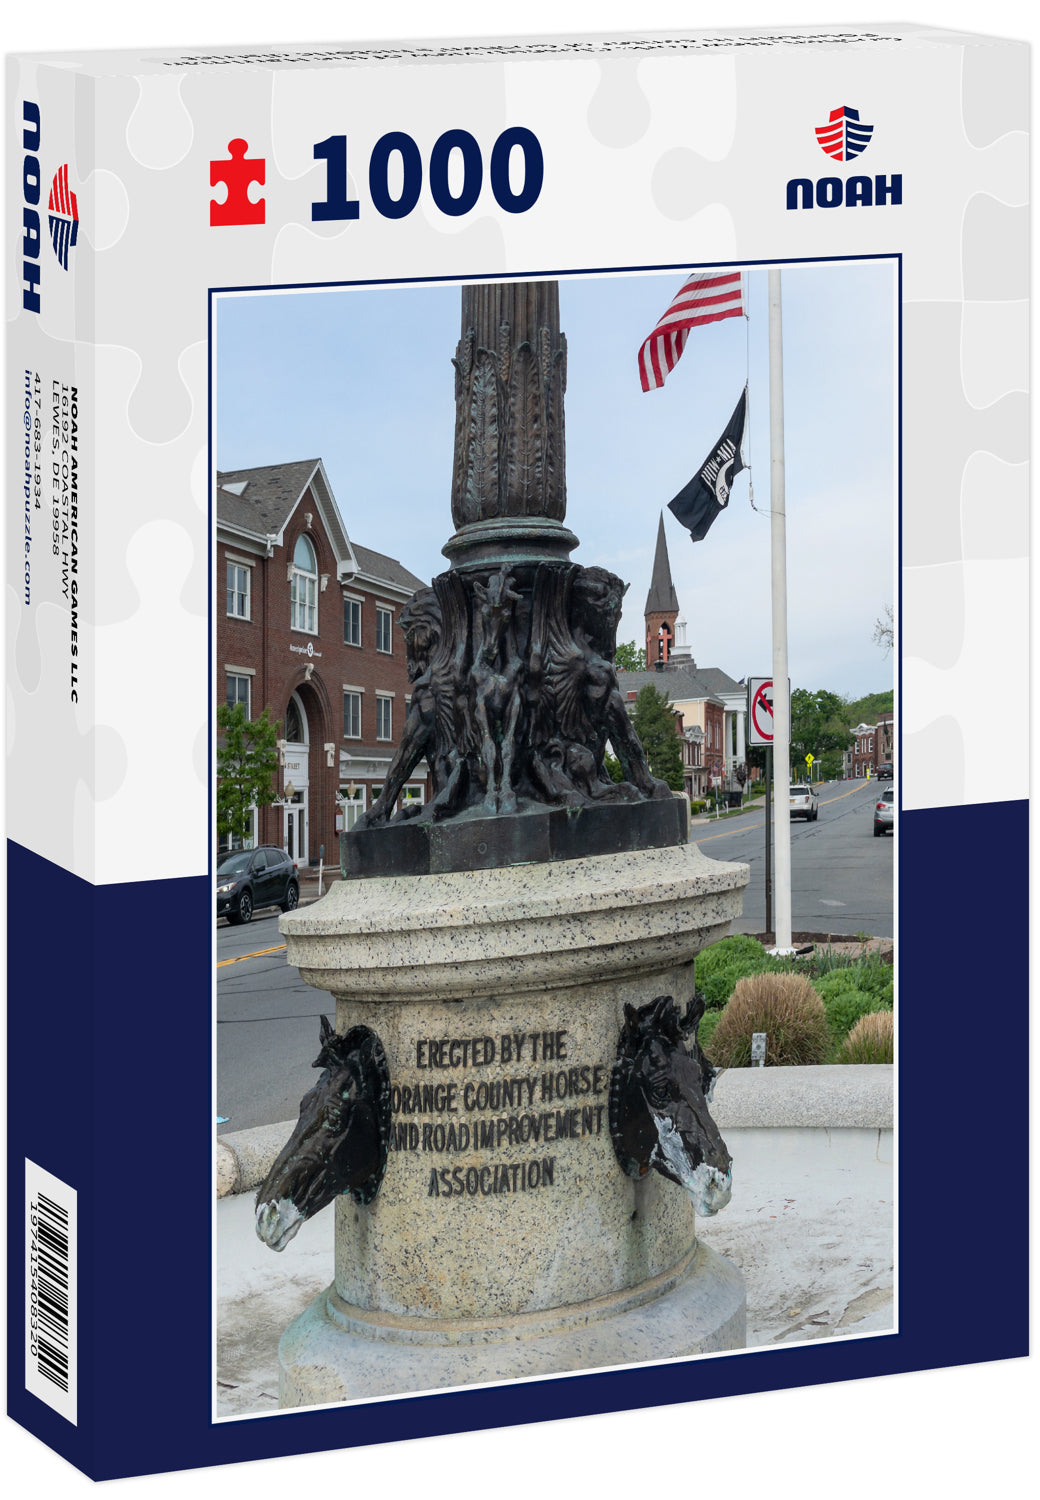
(849, 793)
(744, 828)
(260, 953)
(750, 827)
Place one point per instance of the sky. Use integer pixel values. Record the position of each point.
(362, 378)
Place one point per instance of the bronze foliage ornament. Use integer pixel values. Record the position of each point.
(509, 432)
(340, 1141)
(660, 1088)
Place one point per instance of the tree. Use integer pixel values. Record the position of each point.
(884, 629)
(830, 765)
(819, 724)
(653, 719)
(868, 709)
(247, 763)
(630, 657)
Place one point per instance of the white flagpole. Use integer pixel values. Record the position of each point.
(778, 555)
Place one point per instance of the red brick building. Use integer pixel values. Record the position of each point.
(307, 627)
(863, 751)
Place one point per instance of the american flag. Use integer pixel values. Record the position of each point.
(704, 299)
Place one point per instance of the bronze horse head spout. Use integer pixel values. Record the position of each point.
(340, 1141)
(659, 1092)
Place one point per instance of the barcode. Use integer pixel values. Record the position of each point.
(50, 1289)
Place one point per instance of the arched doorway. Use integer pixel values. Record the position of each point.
(296, 783)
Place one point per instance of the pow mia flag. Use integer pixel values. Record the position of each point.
(707, 494)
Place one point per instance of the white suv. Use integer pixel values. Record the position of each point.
(805, 802)
(884, 811)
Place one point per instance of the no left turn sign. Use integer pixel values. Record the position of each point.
(760, 711)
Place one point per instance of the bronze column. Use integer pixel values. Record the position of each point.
(509, 489)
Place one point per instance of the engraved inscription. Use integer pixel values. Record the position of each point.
(545, 1098)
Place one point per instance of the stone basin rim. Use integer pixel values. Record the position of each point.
(469, 898)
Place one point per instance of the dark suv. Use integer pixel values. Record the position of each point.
(248, 878)
(885, 771)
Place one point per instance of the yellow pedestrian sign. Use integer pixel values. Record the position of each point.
(809, 762)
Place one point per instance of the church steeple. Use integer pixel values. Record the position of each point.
(662, 606)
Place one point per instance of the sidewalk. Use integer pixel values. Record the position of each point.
(308, 878)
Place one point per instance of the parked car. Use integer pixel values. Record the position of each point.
(885, 771)
(884, 810)
(805, 802)
(251, 878)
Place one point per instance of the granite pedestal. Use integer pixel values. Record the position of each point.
(505, 1240)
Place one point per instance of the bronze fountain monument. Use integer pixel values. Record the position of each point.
(512, 1117)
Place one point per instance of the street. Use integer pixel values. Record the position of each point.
(841, 876)
(267, 1027)
(267, 1031)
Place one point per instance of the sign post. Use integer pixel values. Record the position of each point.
(760, 732)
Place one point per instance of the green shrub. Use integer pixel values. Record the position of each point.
(871, 1040)
(786, 1008)
(697, 805)
(845, 1009)
(726, 951)
(706, 1029)
(718, 986)
(868, 975)
(837, 982)
(719, 966)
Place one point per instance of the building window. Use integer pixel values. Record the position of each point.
(412, 796)
(352, 622)
(238, 691)
(351, 716)
(353, 799)
(228, 842)
(303, 593)
(384, 625)
(384, 718)
(295, 733)
(238, 591)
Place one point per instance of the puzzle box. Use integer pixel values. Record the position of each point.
(582, 159)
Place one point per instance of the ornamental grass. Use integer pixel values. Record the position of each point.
(786, 1008)
(871, 1040)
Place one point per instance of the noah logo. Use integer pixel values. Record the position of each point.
(62, 216)
(30, 206)
(843, 138)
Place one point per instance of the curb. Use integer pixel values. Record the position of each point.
(834, 1097)
(244, 1157)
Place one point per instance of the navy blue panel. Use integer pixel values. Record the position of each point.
(51, 1080)
(131, 1030)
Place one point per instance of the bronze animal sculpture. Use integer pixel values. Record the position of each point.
(439, 726)
(340, 1141)
(660, 1088)
(495, 683)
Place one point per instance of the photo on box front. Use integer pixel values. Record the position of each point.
(502, 850)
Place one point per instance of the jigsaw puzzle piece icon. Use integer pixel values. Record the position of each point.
(237, 173)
